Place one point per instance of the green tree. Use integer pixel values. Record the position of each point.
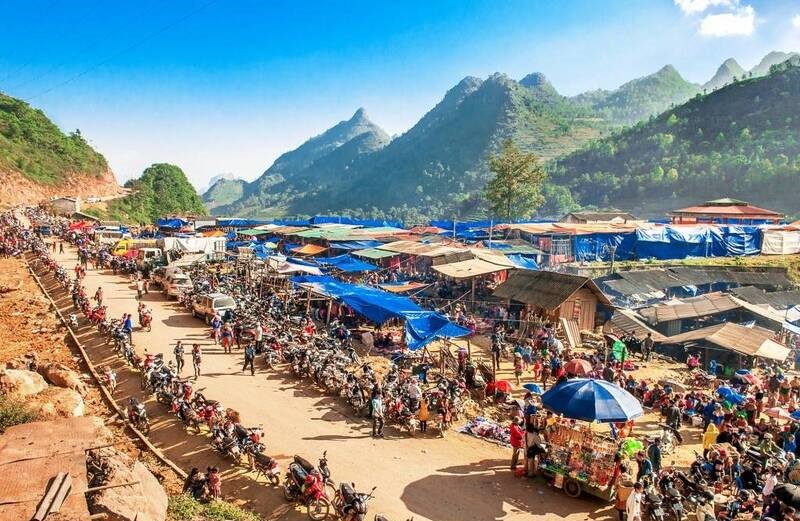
(516, 189)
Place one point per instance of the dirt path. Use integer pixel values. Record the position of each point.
(449, 479)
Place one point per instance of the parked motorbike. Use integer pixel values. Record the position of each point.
(305, 484)
(350, 505)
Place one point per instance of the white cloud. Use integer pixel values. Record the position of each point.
(796, 21)
(739, 22)
(698, 6)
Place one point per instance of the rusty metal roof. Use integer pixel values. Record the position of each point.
(546, 289)
(775, 299)
(751, 341)
(695, 307)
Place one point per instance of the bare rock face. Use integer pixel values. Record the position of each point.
(145, 501)
(62, 376)
(21, 383)
(56, 402)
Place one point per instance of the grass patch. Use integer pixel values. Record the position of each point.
(185, 508)
(14, 412)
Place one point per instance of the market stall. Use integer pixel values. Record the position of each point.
(578, 458)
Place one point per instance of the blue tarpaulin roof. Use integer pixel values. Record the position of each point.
(523, 262)
(422, 326)
(239, 223)
(171, 223)
(354, 245)
(347, 263)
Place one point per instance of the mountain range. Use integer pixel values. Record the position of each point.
(438, 167)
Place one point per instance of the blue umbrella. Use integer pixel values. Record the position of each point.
(535, 389)
(592, 400)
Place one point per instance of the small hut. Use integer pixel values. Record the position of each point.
(558, 295)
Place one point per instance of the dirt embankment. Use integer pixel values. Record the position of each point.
(29, 324)
(16, 189)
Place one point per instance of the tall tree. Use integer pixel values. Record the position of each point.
(515, 191)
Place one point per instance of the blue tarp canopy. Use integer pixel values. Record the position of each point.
(422, 326)
(239, 223)
(347, 263)
(354, 245)
(680, 242)
(172, 224)
(522, 262)
(599, 246)
(592, 400)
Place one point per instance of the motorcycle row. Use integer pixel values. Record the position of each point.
(324, 359)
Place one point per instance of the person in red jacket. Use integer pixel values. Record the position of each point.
(517, 442)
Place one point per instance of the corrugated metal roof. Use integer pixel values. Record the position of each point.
(659, 279)
(695, 307)
(625, 321)
(775, 299)
(468, 268)
(751, 341)
(546, 289)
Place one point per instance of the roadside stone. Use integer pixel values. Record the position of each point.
(56, 402)
(145, 501)
(62, 376)
(19, 382)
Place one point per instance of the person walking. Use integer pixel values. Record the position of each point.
(423, 415)
(139, 288)
(179, 356)
(196, 358)
(633, 506)
(647, 346)
(258, 336)
(98, 296)
(377, 415)
(61, 248)
(216, 327)
(227, 338)
(517, 442)
(249, 357)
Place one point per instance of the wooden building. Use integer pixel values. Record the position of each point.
(558, 295)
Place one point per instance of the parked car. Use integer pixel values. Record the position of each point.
(206, 306)
(176, 284)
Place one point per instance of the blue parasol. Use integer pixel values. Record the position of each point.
(535, 389)
(592, 400)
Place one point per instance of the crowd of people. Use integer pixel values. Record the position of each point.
(750, 437)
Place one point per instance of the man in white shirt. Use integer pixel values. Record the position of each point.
(633, 506)
(258, 336)
(414, 394)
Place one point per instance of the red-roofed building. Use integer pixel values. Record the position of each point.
(725, 211)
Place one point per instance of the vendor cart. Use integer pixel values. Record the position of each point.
(579, 461)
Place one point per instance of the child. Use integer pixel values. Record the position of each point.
(518, 366)
(214, 483)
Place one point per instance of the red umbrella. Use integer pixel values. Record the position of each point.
(578, 367)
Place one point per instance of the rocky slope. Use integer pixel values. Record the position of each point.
(39, 161)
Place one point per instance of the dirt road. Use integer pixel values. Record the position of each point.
(450, 479)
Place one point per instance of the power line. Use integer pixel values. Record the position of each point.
(123, 51)
(59, 36)
(83, 50)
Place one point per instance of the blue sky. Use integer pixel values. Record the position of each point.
(226, 86)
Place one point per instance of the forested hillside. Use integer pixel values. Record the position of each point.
(741, 141)
(162, 190)
(38, 160)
